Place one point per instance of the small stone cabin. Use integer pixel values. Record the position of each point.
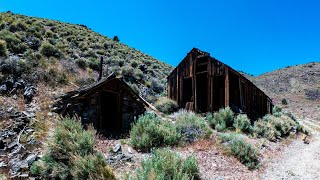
(203, 84)
(109, 104)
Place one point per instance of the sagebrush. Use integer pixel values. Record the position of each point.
(166, 164)
(70, 154)
(239, 147)
(222, 119)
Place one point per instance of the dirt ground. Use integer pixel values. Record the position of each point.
(298, 160)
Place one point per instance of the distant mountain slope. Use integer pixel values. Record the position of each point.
(43, 50)
(299, 85)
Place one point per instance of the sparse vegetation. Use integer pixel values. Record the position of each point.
(242, 123)
(30, 37)
(191, 126)
(166, 105)
(284, 102)
(49, 50)
(150, 131)
(221, 120)
(71, 154)
(165, 164)
(237, 146)
(274, 127)
(3, 49)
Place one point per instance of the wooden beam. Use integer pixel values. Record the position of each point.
(226, 89)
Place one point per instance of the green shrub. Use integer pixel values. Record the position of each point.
(273, 127)
(221, 120)
(166, 164)
(242, 123)
(284, 101)
(91, 167)
(120, 63)
(264, 129)
(150, 131)
(191, 126)
(82, 63)
(94, 64)
(134, 64)
(71, 155)
(3, 49)
(90, 54)
(116, 38)
(237, 146)
(13, 41)
(49, 50)
(166, 105)
(276, 109)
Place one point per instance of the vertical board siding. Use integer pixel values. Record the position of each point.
(252, 100)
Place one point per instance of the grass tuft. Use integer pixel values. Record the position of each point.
(165, 164)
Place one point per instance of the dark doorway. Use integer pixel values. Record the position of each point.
(202, 92)
(187, 91)
(109, 111)
(218, 92)
(235, 96)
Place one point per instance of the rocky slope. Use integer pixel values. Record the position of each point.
(299, 85)
(56, 53)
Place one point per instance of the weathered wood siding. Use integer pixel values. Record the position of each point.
(206, 84)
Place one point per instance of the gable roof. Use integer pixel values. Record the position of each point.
(88, 90)
(201, 54)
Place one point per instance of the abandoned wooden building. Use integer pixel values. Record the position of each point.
(203, 84)
(109, 104)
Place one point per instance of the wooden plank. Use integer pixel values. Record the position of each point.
(226, 92)
(241, 93)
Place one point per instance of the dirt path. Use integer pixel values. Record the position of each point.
(299, 160)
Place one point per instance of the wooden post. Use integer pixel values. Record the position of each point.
(194, 77)
(226, 90)
(100, 68)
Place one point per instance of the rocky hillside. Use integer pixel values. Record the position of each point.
(55, 53)
(296, 87)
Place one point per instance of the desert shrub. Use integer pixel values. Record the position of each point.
(166, 105)
(71, 155)
(82, 63)
(33, 42)
(134, 64)
(120, 63)
(91, 167)
(264, 129)
(221, 120)
(49, 34)
(284, 101)
(274, 127)
(166, 164)
(84, 81)
(237, 146)
(138, 74)
(150, 131)
(191, 126)
(21, 26)
(90, 54)
(156, 86)
(127, 71)
(283, 125)
(94, 64)
(242, 123)
(49, 50)
(116, 38)
(276, 109)
(3, 49)
(14, 44)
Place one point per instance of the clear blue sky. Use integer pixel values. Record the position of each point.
(255, 36)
